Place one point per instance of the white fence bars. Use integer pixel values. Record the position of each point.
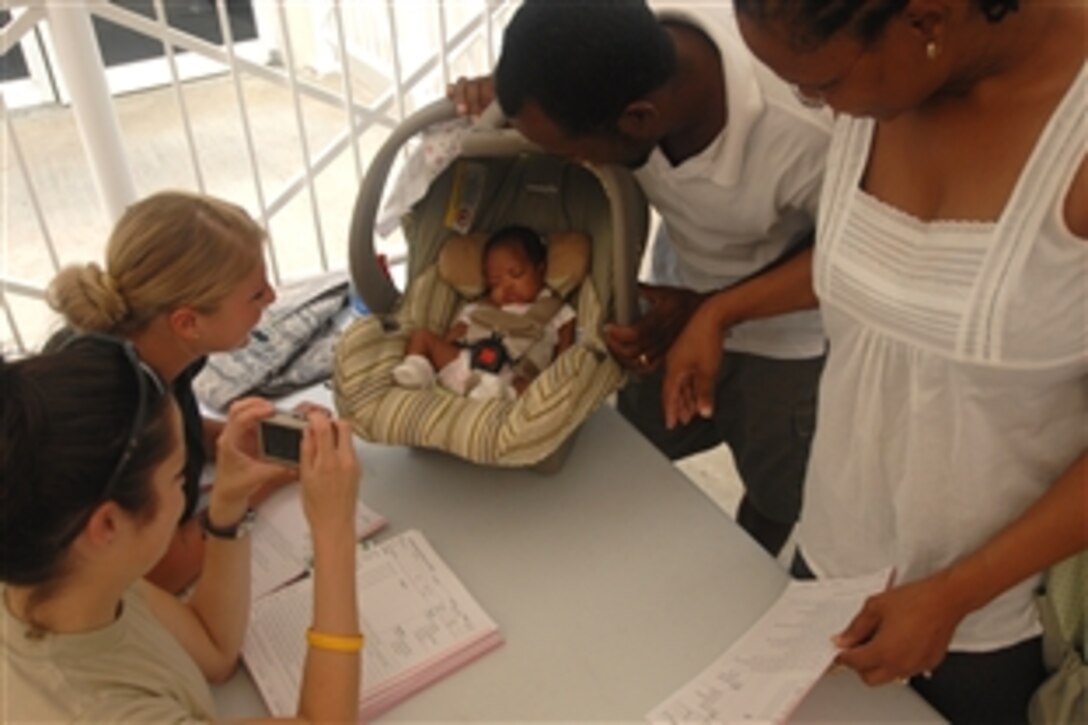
(274, 104)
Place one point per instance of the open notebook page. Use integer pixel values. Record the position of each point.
(281, 538)
(419, 620)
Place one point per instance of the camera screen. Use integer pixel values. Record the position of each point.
(280, 442)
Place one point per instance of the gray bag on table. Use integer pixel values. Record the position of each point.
(290, 348)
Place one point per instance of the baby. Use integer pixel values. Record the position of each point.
(498, 344)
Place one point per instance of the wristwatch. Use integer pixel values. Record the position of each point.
(236, 531)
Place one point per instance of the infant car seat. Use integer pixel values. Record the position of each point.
(498, 179)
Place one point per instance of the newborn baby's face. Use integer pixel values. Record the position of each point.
(511, 276)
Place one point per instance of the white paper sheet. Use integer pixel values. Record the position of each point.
(282, 548)
(766, 673)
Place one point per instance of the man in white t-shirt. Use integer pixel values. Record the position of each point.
(732, 162)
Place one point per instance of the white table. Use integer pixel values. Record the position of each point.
(614, 582)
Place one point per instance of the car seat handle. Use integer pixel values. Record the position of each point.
(492, 117)
(369, 278)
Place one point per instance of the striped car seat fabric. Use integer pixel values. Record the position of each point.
(523, 432)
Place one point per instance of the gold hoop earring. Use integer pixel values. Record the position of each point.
(932, 50)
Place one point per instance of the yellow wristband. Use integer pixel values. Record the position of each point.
(349, 643)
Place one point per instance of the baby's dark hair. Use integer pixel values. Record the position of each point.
(529, 241)
(68, 417)
(812, 22)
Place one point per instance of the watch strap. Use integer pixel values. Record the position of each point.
(233, 532)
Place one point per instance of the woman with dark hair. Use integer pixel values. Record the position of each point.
(91, 486)
(950, 267)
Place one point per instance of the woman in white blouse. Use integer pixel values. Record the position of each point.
(950, 268)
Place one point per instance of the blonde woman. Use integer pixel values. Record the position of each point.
(184, 277)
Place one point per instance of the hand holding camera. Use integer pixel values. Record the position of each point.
(240, 471)
(261, 445)
(329, 475)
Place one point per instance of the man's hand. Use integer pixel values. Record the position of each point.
(641, 346)
(691, 369)
(471, 95)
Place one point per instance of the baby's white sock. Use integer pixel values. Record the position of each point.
(415, 371)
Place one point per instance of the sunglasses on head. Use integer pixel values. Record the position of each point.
(145, 379)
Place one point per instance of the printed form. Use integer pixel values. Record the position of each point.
(766, 673)
(282, 549)
(419, 620)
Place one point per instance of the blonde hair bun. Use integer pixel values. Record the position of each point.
(169, 250)
(88, 297)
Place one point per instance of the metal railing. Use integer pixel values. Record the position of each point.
(374, 38)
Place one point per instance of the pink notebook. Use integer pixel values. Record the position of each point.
(420, 623)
